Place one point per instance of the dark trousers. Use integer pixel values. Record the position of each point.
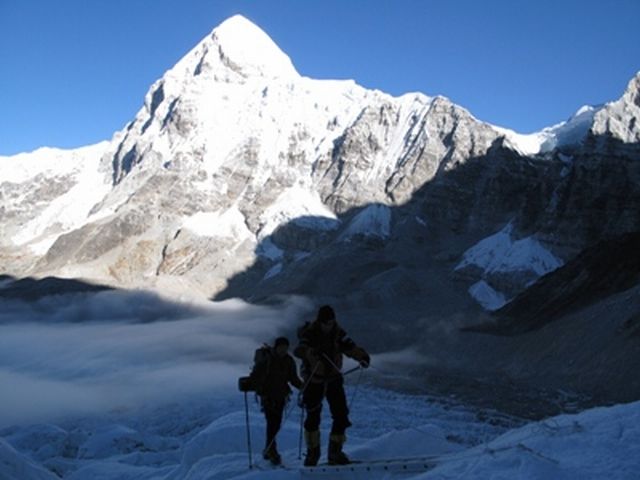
(333, 390)
(273, 409)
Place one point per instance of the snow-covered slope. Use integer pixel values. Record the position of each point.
(415, 436)
(501, 254)
(14, 465)
(374, 220)
(594, 444)
(570, 133)
(49, 192)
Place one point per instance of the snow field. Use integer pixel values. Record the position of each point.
(205, 438)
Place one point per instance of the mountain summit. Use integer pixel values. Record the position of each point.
(237, 165)
(243, 45)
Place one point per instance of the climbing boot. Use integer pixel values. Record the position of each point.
(271, 453)
(336, 456)
(312, 439)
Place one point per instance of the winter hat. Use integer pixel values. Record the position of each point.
(281, 341)
(326, 313)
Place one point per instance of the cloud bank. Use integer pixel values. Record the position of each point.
(92, 353)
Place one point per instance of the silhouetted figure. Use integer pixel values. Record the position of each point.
(322, 344)
(274, 369)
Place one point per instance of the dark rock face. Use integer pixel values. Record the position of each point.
(491, 190)
(599, 197)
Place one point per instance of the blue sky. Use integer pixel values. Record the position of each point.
(75, 71)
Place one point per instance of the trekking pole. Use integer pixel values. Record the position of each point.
(246, 413)
(337, 369)
(300, 436)
(302, 407)
(355, 391)
(351, 370)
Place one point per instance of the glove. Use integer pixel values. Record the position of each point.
(361, 356)
(365, 361)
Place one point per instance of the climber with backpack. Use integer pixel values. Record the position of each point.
(273, 370)
(321, 346)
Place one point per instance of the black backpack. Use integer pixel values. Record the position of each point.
(256, 381)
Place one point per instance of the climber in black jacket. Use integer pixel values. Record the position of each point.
(274, 369)
(322, 344)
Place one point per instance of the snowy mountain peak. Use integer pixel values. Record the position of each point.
(619, 119)
(632, 93)
(243, 45)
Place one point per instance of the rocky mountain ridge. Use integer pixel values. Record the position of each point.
(239, 177)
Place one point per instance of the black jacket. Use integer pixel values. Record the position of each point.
(321, 352)
(280, 371)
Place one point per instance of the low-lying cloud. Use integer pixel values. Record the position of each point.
(88, 353)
